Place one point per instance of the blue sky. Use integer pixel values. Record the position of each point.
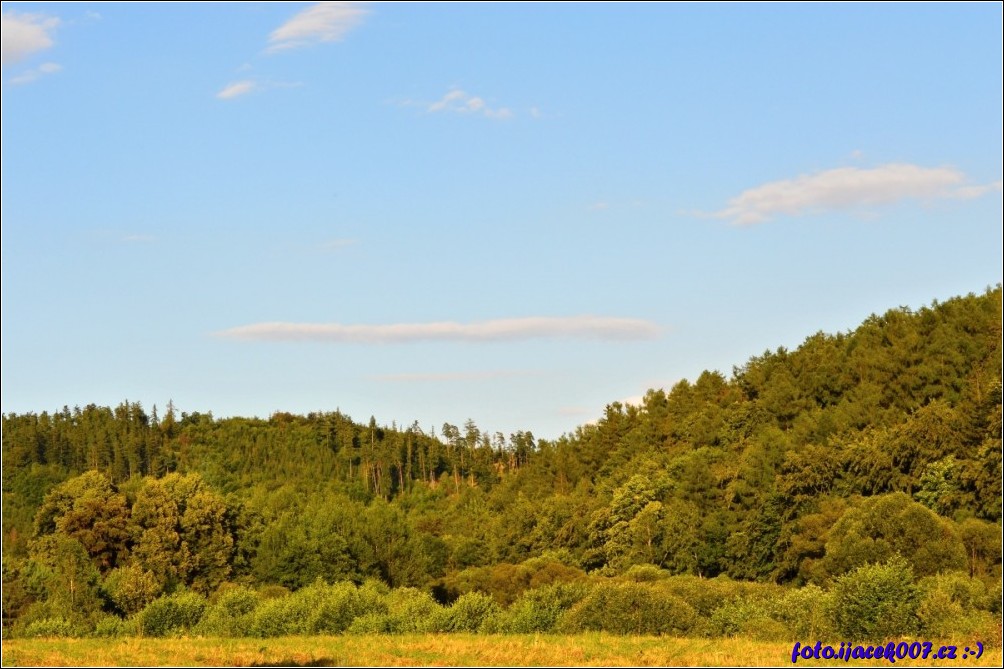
(515, 214)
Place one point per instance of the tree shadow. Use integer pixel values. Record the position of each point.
(319, 662)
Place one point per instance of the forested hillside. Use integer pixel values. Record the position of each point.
(798, 468)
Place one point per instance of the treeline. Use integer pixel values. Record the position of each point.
(803, 467)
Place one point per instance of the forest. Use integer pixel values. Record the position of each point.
(850, 487)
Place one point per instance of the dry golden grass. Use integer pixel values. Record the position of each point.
(432, 650)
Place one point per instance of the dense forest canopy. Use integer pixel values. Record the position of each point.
(803, 466)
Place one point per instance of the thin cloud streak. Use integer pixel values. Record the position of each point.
(35, 73)
(333, 245)
(512, 329)
(849, 187)
(237, 89)
(461, 102)
(323, 22)
(24, 34)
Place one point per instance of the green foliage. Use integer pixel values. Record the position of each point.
(230, 615)
(876, 601)
(645, 573)
(982, 541)
(954, 604)
(893, 524)
(317, 609)
(131, 588)
(538, 610)
(629, 608)
(274, 617)
(172, 614)
(109, 627)
(411, 610)
(370, 623)
(51, 627)
(804, 612)
(706, 595)
(748, 618)
(468, 613)
(86, 508)
(63, 574)
(505, 582)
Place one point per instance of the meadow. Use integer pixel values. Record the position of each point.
(593, 649)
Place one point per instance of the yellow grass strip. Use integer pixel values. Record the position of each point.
(439, 650)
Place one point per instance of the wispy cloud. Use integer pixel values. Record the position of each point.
(245, 86)
(34, 73)
(237, 89)
(24, 34)
(971, 192)
(139, 239)
(512, 329)
(458, 101)
(323, 22)
(849, 187)
(333, 245)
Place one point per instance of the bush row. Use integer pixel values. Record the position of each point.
(873, 603)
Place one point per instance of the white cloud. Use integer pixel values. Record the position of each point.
(461, 102)
(848, 187)
(635, 400)
(323, 22)
(143, 239)
(24, 34)
(237, 89)
(512, 329)
(31, 75)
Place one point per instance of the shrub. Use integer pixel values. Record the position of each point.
(370, 623)
(231, 614)
(745, 617)
(629, 608)
(644, 573)
(109, 626)
(970, 593)
(273, 592)
(953, 604)
(57, 626)
(805, 612)
(468, 613)
(411, 610)
(316, 609)
(171, 614)
(505, 581)
(326, 609)
(707, 594)
(537, 610)
(876, 601)
(270, 619)
(131, 588)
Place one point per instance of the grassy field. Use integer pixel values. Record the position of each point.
(434, 650)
